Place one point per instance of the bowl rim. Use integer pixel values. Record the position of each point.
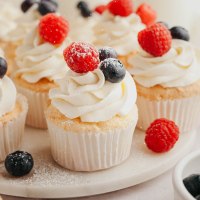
(177, 175)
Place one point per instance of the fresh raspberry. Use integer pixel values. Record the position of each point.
(147, 14)
(161, 135)
(53, 29)
(81, 57)
(121, 7)
(101, 8)
(156, 39)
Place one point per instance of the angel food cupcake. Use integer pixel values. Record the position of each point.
(93, 114)
(167, 75)
(13, 110)
(24, 23)
(118, 28)
(40, 63)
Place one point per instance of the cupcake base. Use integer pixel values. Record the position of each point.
(12, 128)
(90, 146)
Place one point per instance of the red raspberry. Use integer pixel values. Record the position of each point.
(101, 8)
(53, 29)
(121, 7)
(81, 57)
(161, 135)
(147, 14)
(155, 39)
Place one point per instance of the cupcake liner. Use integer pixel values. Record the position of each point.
(91, 151)
(37, 105)
(184, 112)
(11, 132)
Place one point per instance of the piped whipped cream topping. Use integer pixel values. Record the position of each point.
(38, 60)
(92, 98)
(177, 68)
(118, 32)
(8, 95)
(25, 23)
(8, 14)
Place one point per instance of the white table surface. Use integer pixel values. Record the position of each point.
(159, 188)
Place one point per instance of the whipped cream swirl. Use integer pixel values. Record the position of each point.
(8, 14)
(118, 32)
(8, 95)
(177, 68)
(38, 60)
(91, 98)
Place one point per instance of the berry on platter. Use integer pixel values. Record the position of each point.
(179, 32)
(54, 2)
(192, 184)
(3, 67)
(84, 8)
(107, 52)
(113, 70)
(122, 8)
(147, 14)
(53, 29)
(27, 4)
(100, 9)
(162, 135)
(156, 39)
(46, 7)
(81, 57)
(19, 163)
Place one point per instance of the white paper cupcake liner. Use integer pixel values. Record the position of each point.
(91, 151)
(37, 102)
(11, 133)
(184, 112)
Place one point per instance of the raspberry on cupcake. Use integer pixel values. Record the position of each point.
(167, 75)
(40, 63)
(94, 106)
(12, 114)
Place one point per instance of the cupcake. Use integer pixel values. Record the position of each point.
(167, 76)
(82, 23)
(92, 115)
(40, 63)
(33, 11)
(118, 27)
(13, 110)
(8, 14)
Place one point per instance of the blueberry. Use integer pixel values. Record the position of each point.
(164, 23)
(3, 67)
(197, 197)
(192, 184)
(46, 7)
(107, 52)
(26, 5)
(19, 163)
(179, 32)
(54, 2)
(113, 70)
(85, 10)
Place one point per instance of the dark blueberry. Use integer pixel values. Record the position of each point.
(54, 2)
(46, 7)
(179, 32)
(192, 184)
(3, 67)
(113, 70)
(164, 23)
(19, 163)
(197, 197)
(26, 5)
(84, 8)
(107, 52)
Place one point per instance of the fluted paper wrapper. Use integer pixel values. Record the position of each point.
(11, 132)
(37, 102)
(184, 112)
(90, 151)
